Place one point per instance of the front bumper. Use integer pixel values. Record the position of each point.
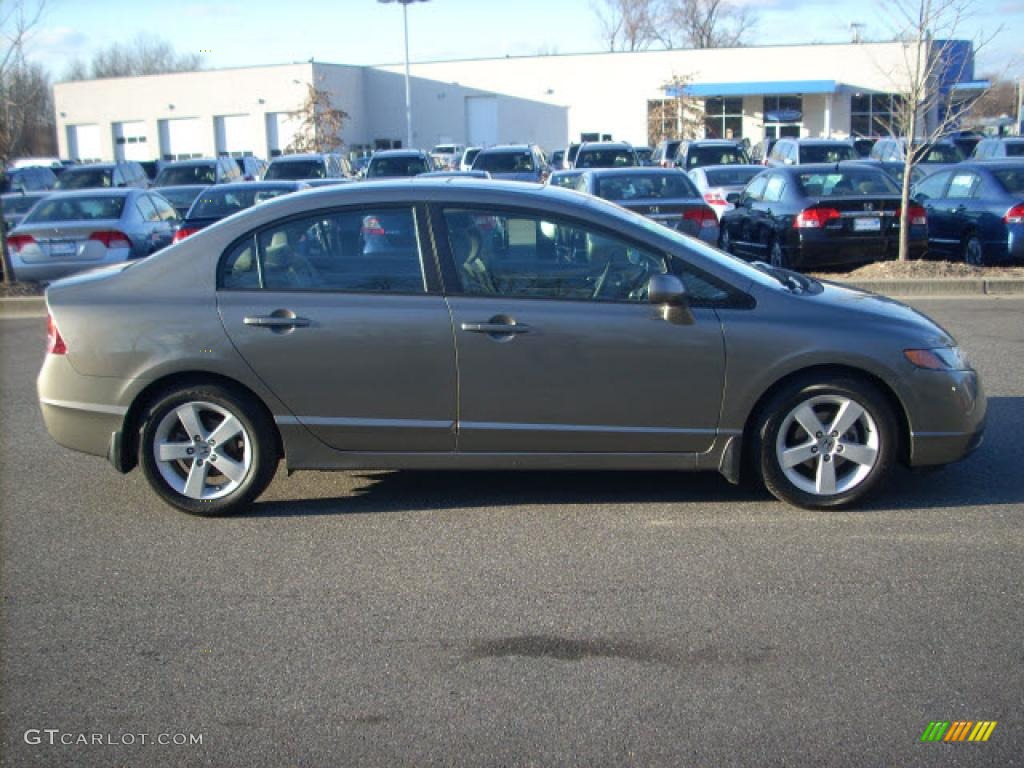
(948, 421)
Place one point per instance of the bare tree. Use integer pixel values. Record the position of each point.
(320, 123)
(999, 101)
(679, 116)
(145, 55)
(923, 110)
(626, 25)
(703, 23)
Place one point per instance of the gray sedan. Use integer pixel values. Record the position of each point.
(72, 231)
(490, 325)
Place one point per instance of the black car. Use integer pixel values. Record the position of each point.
(862, 145)
(30, 179)
(808, 216)
(221, 200)
(976, 211)
(696, 154)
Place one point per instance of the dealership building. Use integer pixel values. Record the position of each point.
(754, 92)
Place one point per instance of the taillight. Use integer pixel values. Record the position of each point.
(54, 343)
(815, 218)
(372, 226)
(182, 233)
(714, 198)
(702, 217)
(1013, 216)
(17, 242)
(917, 216)
(111, 238)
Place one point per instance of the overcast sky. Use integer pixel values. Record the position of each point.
(251, 32)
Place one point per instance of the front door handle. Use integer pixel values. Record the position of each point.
(499, 328)
(277, 320)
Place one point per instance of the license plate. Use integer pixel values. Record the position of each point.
(867, 225)
(63, 249)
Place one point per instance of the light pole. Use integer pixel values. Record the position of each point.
(408, 92)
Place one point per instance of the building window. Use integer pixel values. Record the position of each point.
(872, 114)
(723, 118)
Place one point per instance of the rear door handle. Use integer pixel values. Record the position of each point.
(276, 321)
(495, 328)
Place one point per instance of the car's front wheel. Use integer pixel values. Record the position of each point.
(826, 444)
(207, 450)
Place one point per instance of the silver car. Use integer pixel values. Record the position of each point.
(68, 232)
(489, 325)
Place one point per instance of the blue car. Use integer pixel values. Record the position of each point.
(975, 211)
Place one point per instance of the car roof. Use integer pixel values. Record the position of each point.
(105, 191)
(300, 156)
(825, 167)
(192, 161)
(507, 148)
(398, 153)
(635, 170)
(991, 165)
(91, 167)
(271, 184)
(714, 142)
(607, 144)
(816, 142)
(181, 187)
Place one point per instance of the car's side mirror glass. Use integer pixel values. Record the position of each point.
(666, 289)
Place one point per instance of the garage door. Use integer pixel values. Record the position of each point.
(130, 142)
(281, 130)
(482, 120)
(234, 135)
(181, 138)
(84, 143)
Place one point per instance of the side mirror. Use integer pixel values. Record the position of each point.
(666, 289)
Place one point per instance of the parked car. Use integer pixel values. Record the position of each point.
(182, 197)
(566, 179)
(605, 154)
(569, 156)
(809, 216)
(52, 163)
(398, 163)
(663, 195)
(556, 159)
(966, 141)
(455, 175)
(759, 152)
(308, 166)
(721, 185)
(222, 200)
(513, 162)
(976, 211)
(69, 232)
(862, 146)
(466, 163)
(16, 204)
(587, 339)
(210, 170)
(938, 153)
(643, 155)
(665, 153)
(152, 168)
(448, 155)
(252, 168)
(694, 154)
(27, 179)
(127, 173)
(804, 151)
(997, 148)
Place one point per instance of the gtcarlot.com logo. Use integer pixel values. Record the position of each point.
(56, 737)
(958, 730)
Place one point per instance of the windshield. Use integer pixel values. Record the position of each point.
(605, 158)
(1014, 148)
(566, 180)
(642, 186)
(186, 174)
(504, 162)
(19, 203)
(77, 209)
(383, 167)
(1011, 179)
(730, 177)
(85, 178)
(216, 202)
(939, 153)
(826, 153)
(295, 169)
(729, 155)
(848, 183)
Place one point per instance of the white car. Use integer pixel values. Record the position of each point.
(720, 185)
(448, 156)
(466, 163)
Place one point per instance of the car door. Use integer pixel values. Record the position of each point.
(962, 209)
(764, 214)
(355, 341)
(738, 220)
(559, 350)
(931, 193)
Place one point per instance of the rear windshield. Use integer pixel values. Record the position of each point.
(1012, 179)
(295, 169)
(848, 183)
(216, 203)
(646, 186)
(698, 157)
(1014, 148)
(504, 162)
(19, 203)
(826, 153)
(186, 174)
(940, 153)
(382, 167)
(567, 180)
(78, 209)
(605, 158)
(730, 177)
(85, 178)
(180, 198)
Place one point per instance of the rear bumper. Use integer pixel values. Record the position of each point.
(47, 271)
(811, 248)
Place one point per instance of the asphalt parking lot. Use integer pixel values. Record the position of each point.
(498, 619)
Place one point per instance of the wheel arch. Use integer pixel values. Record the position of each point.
(125, 450)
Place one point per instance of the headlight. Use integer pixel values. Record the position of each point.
(938, 359)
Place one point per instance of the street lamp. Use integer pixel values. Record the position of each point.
(408, 94)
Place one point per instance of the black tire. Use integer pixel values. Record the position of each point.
(777, 256)
(972, 251)
(724, 241)
(254, 449)
(853, 480)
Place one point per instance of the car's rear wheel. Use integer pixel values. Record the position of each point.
(973, 252)
(207, 450)
(826, 444)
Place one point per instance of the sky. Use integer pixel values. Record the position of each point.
(231, 33)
